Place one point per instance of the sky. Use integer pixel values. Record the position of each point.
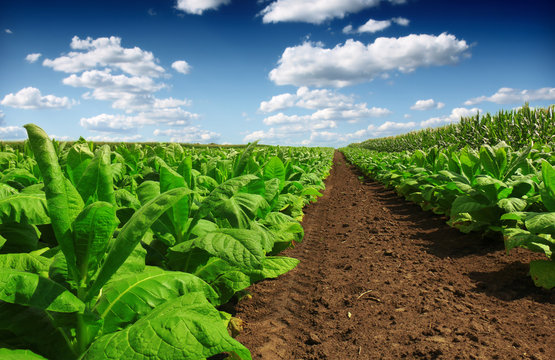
(287, 72)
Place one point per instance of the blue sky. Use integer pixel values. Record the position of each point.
(290, 72)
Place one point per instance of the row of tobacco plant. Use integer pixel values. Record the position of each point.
(498, 189)
(129, 251)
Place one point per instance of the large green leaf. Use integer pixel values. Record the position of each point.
(223, 192)
(128, 299)
(63, 200)
(241, 163)
(26, 262)
(548, 191)
(188, 327)
(230, 282)
(239, 247)
(543, 273)
(541, 223)
(512, 204)
(24, 208)
(275, 169)
(272, 267)
(19, 237)
(96, 183)
(22, 288)
(132, 233)
(78, 158)
(240, 209)
(29, 327)
(9, 354)
(92, 231)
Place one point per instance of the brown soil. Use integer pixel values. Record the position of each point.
(381, 279)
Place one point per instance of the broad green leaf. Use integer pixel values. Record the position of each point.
(2, 241)
(134, 264)
(22, 288)
(20, 176)
(488, 160)
(543, 273)
(22, 208)
(96, 183)
(272, 267)
(9, 354)
(78, 158)
(275, 169)
(132, 233)
(239, 247)
(92, 231)
(19, 237)
(512, 204)
(229, 283)
(242, 161)
(548, 192)
(522, 238)
(188, 327)
(147, 191)
(25, 262)
(223, 192)
(128, 299)
(7, 190)
(240, 209)
(24, 326)
(63, 200)
(541, 223)
(465, 204)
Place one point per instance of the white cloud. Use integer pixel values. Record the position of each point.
(112, 138)
(454, 117)
(315, 11)
(106, 52)
(181, 66)
(108, 123)
(12, 133)
(191, 134)
(401, 21)
(8, 31)
(427, 105)
(372, 26)
(31, 58)
(512, 96)
(310, 64)
(31, 98)
(197, 7)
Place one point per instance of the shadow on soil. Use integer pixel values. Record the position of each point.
(510, 283)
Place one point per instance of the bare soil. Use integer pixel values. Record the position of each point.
(381, 279)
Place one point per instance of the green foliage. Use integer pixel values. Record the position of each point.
(120, 251)
(518, 128)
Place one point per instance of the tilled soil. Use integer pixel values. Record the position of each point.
(381, 279)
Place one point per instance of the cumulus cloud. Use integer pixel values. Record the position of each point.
(181, 66)
(513, 96)
(372, 26)
(454, 117)
(315, 11)
(190, 134)
(427, 105)
(114, 138)
(8, 31)
(31, 98)
(197, 7)
(310, 64)
(123, 123)
(31, 58)
(12, 133)
(106, 52)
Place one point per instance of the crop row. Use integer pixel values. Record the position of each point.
(518, 128)
(127, 252)
(493, 190)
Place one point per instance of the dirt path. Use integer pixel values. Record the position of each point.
(380, 279)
